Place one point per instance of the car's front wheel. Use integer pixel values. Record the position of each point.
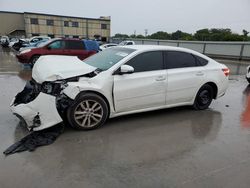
(88, 111)
(203, 98)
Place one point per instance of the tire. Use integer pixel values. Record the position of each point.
(34, 59)
(88, 111)
(248, 79)
(203, 98)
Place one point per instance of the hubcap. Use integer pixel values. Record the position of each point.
(88, 113)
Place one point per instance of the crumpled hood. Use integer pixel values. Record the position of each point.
(58, 67)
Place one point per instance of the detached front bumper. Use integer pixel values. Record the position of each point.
(39, 113)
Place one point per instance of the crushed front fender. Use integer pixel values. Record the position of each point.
(39, 113)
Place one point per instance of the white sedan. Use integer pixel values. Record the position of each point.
(109, 45)
(115, 82)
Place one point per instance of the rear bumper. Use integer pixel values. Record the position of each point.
(38, 114)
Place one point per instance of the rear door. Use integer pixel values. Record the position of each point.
(76, 48)
(145, 88)
(185, 76)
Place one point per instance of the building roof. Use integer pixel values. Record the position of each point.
(101, 18)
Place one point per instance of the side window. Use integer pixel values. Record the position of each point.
(74, 45)
(175, 59)
(59, 44)
(201, 61)
(148, 61)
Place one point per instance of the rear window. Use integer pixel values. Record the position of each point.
(201, 61)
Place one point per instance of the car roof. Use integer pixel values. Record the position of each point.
(145, 48)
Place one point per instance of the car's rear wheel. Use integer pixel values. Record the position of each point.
(248, 79)
(88, 111)
(203, 98)
(34, 59)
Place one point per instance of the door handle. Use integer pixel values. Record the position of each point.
(160, 78)
(199, 73)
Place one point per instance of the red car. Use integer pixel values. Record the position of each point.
(72, 47)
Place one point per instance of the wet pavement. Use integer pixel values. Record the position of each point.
(176, 147)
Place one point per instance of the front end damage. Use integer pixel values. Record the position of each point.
(40, 106)
(37, 106)
(42, 103)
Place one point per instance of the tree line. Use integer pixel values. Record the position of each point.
(214, 34)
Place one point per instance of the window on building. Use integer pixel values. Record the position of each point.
(66, 24)
(148, 61)
(34, 21)
(176, 59)
(104, 39)
(75, 36)
(75, 24)
(104, 26)
(50, 22)
(51, 35)
(66, 36)
(34, 34)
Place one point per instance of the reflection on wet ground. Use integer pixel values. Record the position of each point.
(176, 147)
(245, 116)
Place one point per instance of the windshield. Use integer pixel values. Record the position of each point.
(109, 57)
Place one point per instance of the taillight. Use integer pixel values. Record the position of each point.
(226, 71)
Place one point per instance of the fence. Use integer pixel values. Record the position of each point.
(231, 50)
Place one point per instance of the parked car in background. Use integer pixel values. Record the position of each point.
(36, 39)
(115, 82)
(34, 45)
(4, 41)
(105, 46)
(12, 42)
(91, 45)
(248, 74)
(20, 44)
(126, 42)
(59, 46)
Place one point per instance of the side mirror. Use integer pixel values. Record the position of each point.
(49, 47)
(126, 69)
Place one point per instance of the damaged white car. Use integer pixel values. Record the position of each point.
(117, 81)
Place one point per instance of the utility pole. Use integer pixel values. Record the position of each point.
(146, 32)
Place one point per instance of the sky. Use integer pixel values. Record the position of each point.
(129, 16)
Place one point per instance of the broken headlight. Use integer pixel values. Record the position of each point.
(53, 88)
